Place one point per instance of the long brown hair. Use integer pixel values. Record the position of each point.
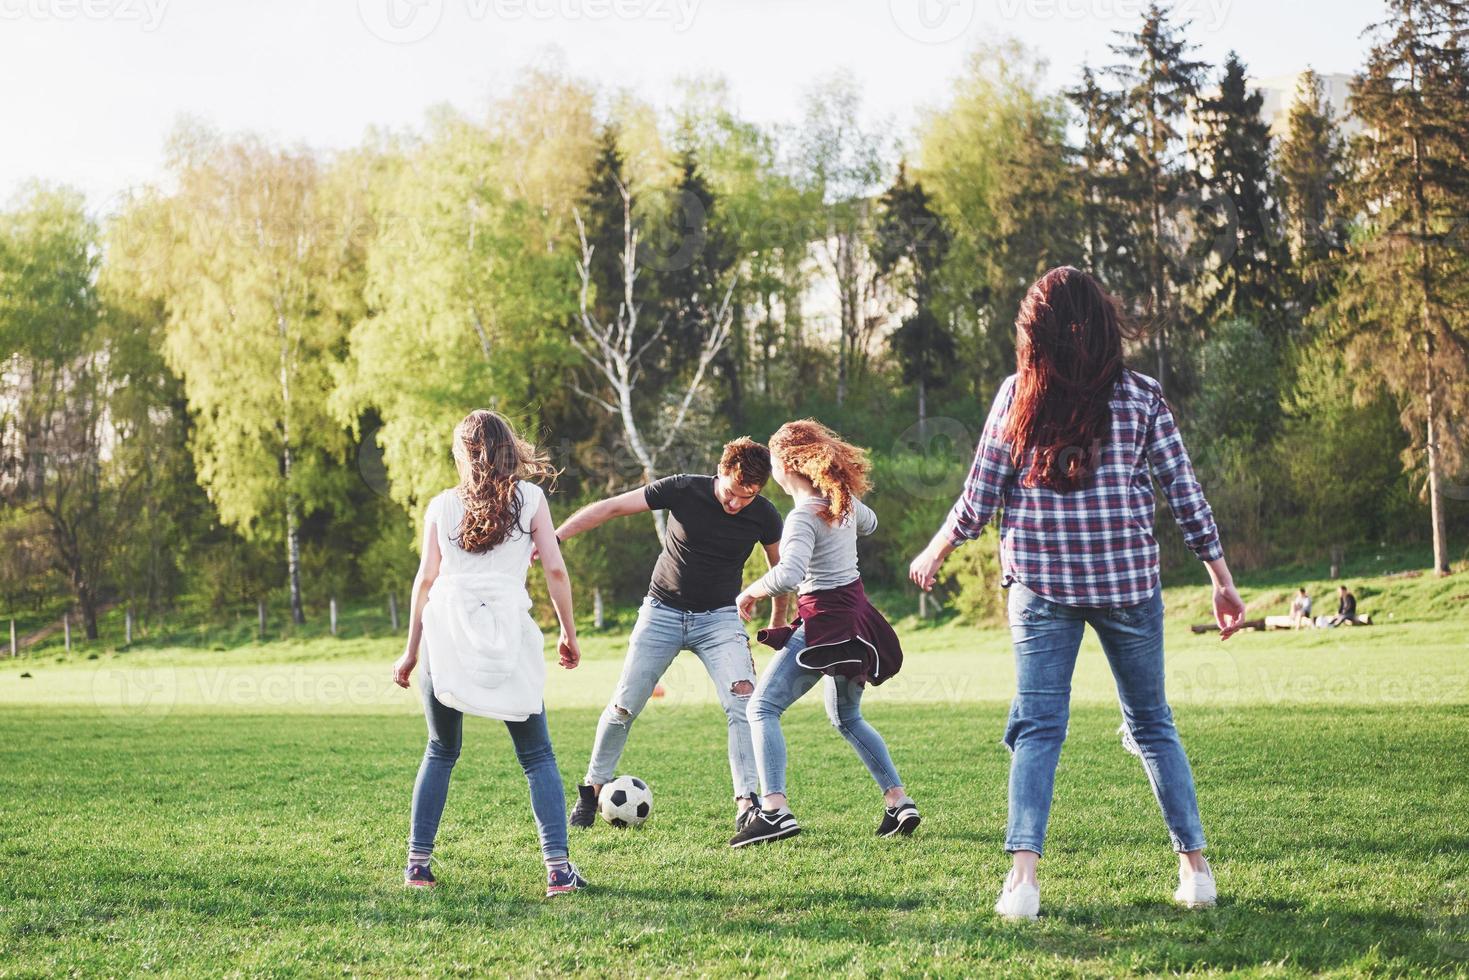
(837, 469)
(1068, 357)
(491, 457)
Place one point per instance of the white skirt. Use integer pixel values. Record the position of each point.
(485, 653)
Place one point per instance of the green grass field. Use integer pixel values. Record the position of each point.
(192, 811)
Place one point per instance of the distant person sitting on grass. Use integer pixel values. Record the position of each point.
(1300, 610)
(485, 653)
(1346, 608)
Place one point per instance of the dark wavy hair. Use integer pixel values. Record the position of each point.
(1068, 357)
(492, 458)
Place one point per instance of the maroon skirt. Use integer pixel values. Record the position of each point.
(845, 635)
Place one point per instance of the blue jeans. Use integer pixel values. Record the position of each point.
(532, 747)
(1047, 636)
(719, 640)
(782, 685)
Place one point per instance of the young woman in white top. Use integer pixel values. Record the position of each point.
(485, 653)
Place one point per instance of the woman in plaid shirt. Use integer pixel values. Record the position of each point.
(1068, 457)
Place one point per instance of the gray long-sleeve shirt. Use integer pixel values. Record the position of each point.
(814, 555)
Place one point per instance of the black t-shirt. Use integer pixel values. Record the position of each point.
(703, 560)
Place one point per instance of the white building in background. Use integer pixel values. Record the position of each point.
(1280, 95)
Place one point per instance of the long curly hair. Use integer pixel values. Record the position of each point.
(1068, 357)
(491, 457)
(837, 469)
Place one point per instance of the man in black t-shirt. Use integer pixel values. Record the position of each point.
(714, 522)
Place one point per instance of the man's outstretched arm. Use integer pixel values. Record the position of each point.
(599, 513)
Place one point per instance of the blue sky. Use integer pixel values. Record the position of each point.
(93, 86)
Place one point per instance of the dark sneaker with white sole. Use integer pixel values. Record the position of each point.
(560, 882)
(744, 816)
(584, 814)
(901, 819)
(765, 826)
(418, 876)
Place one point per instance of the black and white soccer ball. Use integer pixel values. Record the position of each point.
(626, 802)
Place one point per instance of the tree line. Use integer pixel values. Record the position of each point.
(241, 382)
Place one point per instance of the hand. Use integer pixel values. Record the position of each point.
(1229, 610)
(403, 669)
(569, 651)
(746, 604)
(924, 570)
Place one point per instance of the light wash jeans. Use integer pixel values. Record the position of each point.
(532, 747)
(782, 685)
(719, 640)
(1047, 636)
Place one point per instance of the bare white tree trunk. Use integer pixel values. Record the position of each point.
(616, 349)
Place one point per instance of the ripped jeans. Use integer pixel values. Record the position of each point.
(1046, 637)
(719, 640)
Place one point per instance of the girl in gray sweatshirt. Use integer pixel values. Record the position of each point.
(839, 633)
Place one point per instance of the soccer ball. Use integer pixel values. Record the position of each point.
(626, 802)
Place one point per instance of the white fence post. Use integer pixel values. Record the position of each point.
(393, 609)
(14, 650)
(260, 610)
(128, 627)
(334, 615)
(66, 626)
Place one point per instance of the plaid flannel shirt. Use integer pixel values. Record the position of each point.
(1094, 546)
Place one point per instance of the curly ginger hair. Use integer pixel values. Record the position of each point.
(836, 468)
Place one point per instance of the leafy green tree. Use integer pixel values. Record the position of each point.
(1406, 275)
(994, 160)
(466, 288)
(768, 218)
(53, 390)
(840, 160)
(251, 257)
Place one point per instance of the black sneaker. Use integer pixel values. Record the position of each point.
(744, 816)
(584, 814)
(766, 825)
(418, 876)
(901, 819)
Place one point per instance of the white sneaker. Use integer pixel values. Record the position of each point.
(1196, 889)
(1019, 902)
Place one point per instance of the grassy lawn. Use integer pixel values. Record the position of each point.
(192, 811)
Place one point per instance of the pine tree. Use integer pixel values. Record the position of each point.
(1107, 239)
(1250, 282)
(1309, 168)
(1406, 279)
(1159, 80)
